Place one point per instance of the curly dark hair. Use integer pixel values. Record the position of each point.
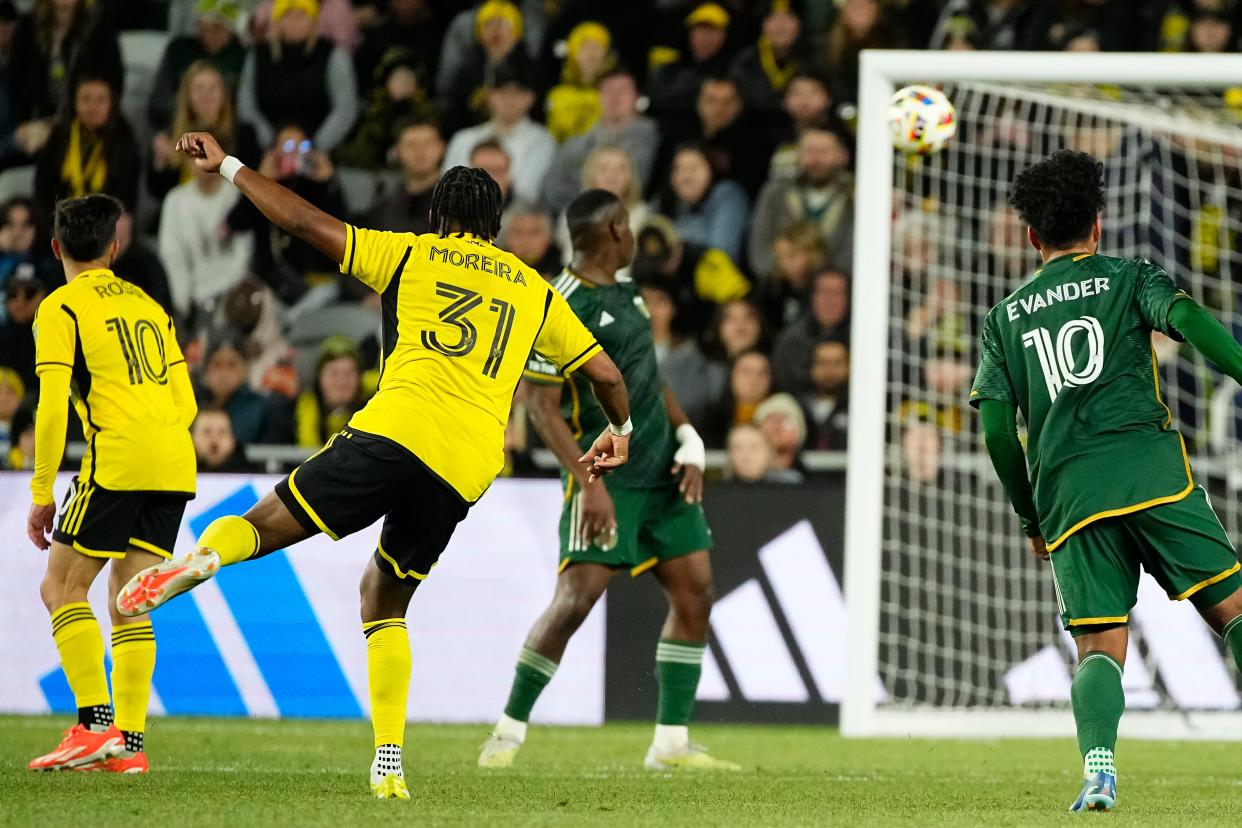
(1060, 197)
(466, 200)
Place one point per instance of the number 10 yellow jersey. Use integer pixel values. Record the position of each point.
(460, 317)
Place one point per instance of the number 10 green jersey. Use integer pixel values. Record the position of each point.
(1071, 348)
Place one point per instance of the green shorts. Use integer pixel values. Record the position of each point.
(1181, 544)
(653, 525)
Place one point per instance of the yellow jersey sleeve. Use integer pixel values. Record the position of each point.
(563, 340)
(56, 336)
(172, 350)
(373, 257)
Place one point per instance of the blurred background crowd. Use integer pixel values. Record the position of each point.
(727, 127)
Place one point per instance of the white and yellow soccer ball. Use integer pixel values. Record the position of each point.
(921, 120)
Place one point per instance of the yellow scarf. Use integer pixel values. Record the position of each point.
(83, 175)
(777, 76)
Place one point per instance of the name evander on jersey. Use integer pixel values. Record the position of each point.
(1068, 292)
(476, 261)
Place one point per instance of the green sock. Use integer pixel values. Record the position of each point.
(532, 674)
(1233, 640)
(678, 667)
(1098, 702)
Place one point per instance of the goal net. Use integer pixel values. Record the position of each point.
(953, 624)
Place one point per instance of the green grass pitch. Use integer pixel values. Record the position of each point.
(253, 773)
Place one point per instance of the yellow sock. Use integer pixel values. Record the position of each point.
(133, 662)
(232, 537)
(388, 675)
(80, 644)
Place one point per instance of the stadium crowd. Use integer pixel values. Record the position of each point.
(725, 126)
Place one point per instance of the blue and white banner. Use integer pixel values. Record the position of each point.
(282, 637)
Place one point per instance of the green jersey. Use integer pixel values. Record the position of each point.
(618, 318)
(1071, 348)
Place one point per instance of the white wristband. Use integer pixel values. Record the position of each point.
(622, 430)
(690, 451)
(229, 167)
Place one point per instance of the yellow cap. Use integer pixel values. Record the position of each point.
(709, 14)
(282, 7)
(493, 9)
(589, 30)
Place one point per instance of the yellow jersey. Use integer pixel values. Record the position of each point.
(460, 318)
(118, 345)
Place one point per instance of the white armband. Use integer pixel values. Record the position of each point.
(229, 167)
(690, 451)
(622, 430)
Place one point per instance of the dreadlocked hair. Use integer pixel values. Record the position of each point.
(466, 200)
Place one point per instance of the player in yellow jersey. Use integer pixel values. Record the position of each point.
(459, 319)
(107, 345)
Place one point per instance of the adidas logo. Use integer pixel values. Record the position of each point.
(606, 319)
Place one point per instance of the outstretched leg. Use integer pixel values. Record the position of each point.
(578, 588)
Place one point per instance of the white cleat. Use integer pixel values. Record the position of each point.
(689, 756)
(156, 584)
(499, 752)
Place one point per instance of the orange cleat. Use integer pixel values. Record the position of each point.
(156, 584)
(81, 746)
(134, 763)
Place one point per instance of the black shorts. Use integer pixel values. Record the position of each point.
(105, 524)
(356, 479)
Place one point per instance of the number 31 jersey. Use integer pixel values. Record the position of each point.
(1071, 348)
(118, 345)
(460, 316)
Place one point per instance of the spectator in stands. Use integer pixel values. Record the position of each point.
(822, 192)
(10, 151)
(464, 87)
(947, 374)
(333, 19)
(750, 383)
(24, 240)
(763, 71)
(21, 455)
(939, 317)
(203, 260)
(697, 381)
(492, 158)
(920, 450)
(294, 77)
(783, 423)
(737, 147)
(138, 264)
(419, 151)
(698, 278)
(57, 43)
(290, 266)
(248, 315)
(325, 408)
(23, 292)
(827, 405)
(806, 102)
(215, 445)
(749, 456)
(530, 147)
(214, 41)
(396, 98)
(203, 104)
(862, 24)
(573, 104)
(608, 168)
(224, 386)
(620, 125)
(526, 232)
(12, 392)
(1211, 30)
(827, 317)
(91, 150)
(995, 24)
(406, 26)
(674, 87)
(798, 254)
(738, 328)
(705, 211)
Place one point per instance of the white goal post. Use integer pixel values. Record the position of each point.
(878, 699)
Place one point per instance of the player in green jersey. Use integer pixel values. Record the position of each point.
(1107, 487)
(649, 516)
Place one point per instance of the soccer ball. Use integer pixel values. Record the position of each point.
(921, 120)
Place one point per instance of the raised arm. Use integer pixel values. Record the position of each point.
(283, 207)
(1209, 337)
